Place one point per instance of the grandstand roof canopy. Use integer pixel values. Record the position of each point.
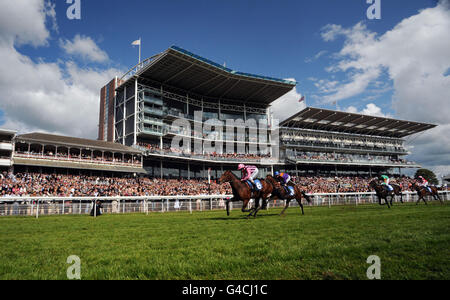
(66, 141)
(7, 132)
(194, 74)
(329, 120)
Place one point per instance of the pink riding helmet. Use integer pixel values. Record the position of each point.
(241, 166)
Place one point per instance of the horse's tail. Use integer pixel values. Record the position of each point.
(306, 197)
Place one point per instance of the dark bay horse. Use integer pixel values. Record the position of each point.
(422, 192)
(398, 191)
(382, 192)
(242, 192)
(280, 193)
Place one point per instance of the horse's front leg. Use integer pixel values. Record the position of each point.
(254, 209)
(285, 207)
(228, 206)
(244, 206)
(387, 201)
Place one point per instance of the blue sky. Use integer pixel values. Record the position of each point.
(397, 66)
(274, 38)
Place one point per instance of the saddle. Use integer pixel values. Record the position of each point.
(255, 187)
(391, 189)
(290, 190)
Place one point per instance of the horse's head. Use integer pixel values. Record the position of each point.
(272, 180)
(227, 176)
(373, 184)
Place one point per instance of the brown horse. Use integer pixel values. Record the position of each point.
(422, 192)
(280, 193)
(397, 191)
(242, 192)
(381, 192)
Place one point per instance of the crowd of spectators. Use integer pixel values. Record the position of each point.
(168, 150)
(107, 157)
(318, 184)
(36, 184)
(347, 158)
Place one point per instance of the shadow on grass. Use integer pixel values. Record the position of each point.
(241, 217)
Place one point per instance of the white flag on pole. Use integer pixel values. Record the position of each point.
(136, 43)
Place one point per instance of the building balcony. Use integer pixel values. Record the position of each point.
(5, 161)
(346, 148)
(6, 146)
(353, 161)
(77, 159)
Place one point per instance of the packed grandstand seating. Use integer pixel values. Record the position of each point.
(36, 184)
(347, 158)
(76, 156)
(168, 150)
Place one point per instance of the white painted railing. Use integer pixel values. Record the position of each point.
(35, 206)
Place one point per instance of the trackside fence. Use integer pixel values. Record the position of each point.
(36, 206)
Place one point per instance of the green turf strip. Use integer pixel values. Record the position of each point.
(413, 242)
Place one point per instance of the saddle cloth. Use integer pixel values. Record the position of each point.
(257, 187)
(290, 190)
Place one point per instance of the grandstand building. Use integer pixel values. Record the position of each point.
(48, 153)
(6, 149)
(178, 85)
(326, 142)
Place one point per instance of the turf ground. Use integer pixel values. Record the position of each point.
(413, 242)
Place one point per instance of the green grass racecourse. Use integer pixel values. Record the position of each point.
(413, 242)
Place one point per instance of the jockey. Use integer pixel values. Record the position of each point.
(386, 181)
(284, 178)
(248, 172)
(424, 183)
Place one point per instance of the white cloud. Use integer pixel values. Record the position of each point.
(415, 55)
(84, 47)
(286, 106)
(317, 56)
(370, 110)
(23, 22)
(44, 96)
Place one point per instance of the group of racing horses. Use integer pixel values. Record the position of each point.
(271, 189)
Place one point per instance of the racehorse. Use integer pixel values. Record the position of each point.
(242, 192)
(280, 193)
(397, 191)
(423, 192)
(381, 192)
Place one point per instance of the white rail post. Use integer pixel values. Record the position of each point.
(37, 209)
(146, 206)
(63, 207)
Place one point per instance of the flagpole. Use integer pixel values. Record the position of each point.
(140, 43)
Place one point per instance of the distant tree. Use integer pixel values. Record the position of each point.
(428, 175)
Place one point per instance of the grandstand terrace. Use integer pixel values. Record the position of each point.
(333, 142)
(174, 85)
(6, 148)
(41, 150)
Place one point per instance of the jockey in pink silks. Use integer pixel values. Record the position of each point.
(248, 172)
